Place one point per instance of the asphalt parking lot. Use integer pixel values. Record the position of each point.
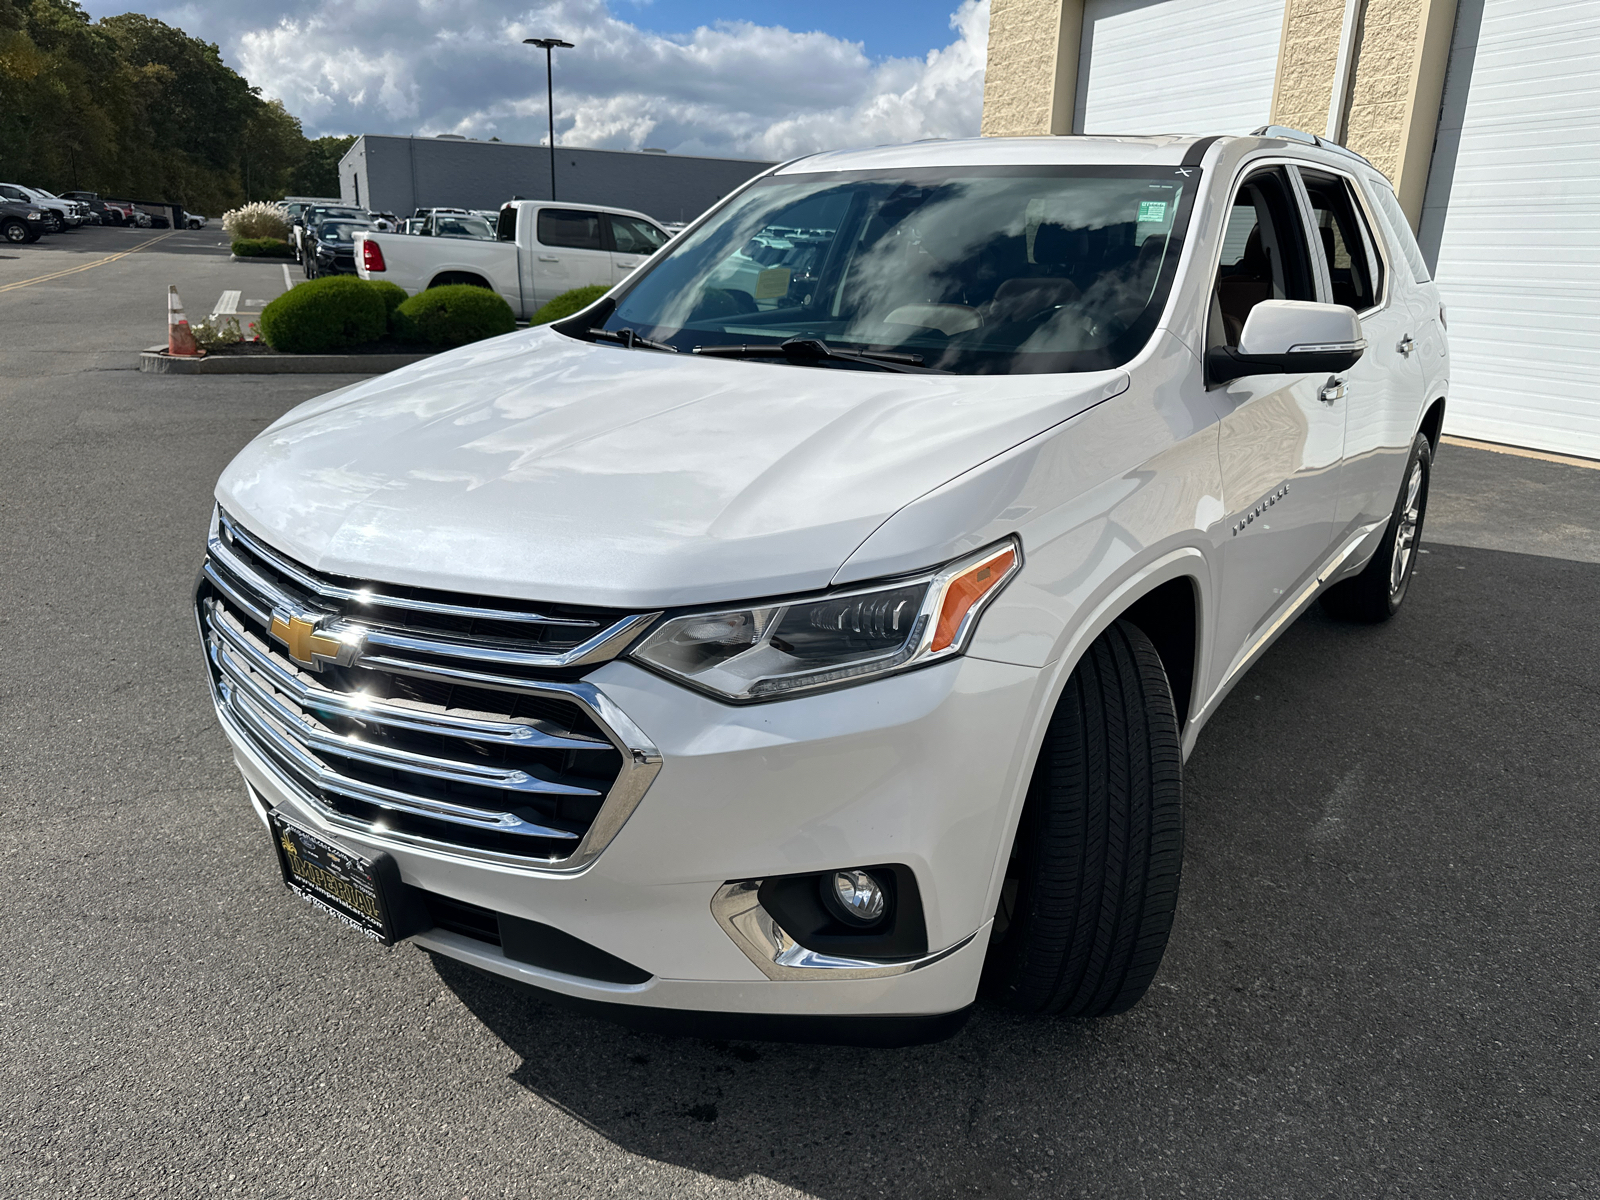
(1384, 978)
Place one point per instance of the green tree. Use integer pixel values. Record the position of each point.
(318, 172)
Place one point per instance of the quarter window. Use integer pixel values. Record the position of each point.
(1355, 273)
(572, 228)
(1391, 214)
(1263, 255)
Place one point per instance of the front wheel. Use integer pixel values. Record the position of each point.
(1376, 594)
(54, 220)
(1092, 885)
(14, 232)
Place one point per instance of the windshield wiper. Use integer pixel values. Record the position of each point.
(630, 339)
(803, 350)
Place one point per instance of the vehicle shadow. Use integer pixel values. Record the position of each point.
(1376, 981)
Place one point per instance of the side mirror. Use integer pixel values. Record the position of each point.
(1290, 337)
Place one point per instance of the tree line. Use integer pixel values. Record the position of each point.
(128, 106)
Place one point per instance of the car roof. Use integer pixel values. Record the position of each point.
(1155, 150)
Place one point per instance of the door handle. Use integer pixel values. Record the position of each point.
(548, 258)
(1406, 346)
(1332, 391)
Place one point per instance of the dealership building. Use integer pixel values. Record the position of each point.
(1485, 114)
(402, 174)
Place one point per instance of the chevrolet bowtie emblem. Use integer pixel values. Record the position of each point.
(306, 646)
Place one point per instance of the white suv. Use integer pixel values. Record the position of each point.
(805, 639)
(60, 214)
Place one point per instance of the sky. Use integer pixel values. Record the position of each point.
(766, 81)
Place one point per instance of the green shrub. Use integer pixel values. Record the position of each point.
(264, 247)
(453, 316)
(568, 303)
(393, 296)
(325, 314)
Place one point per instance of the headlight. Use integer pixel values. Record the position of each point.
(766, 651)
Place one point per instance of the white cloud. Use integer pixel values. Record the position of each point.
(458, 66)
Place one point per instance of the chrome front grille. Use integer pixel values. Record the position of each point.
(424, 717)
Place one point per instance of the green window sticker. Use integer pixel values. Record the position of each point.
(1152, 210)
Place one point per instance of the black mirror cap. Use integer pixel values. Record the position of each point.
(1225, 364)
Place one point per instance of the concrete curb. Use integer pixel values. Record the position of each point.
(157, 361)
(261, 258)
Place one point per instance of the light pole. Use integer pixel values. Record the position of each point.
(549, 44)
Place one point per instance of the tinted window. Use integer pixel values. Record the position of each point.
(570, 227)
(1343, 240)
(973, 270)
(1263, 255)
(506, 228)
(630, 235)
(1393, 217)
(463, 227)
(12, 193)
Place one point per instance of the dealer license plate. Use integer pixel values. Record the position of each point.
(355, 890)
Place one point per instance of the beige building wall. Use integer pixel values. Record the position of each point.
(1401, 52)
(1032, 75)
(1307, 58)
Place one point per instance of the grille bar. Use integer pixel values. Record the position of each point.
(438, 726)
(303, 764)
(342, 746)
(380, 712)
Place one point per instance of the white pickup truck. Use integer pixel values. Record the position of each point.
(542, 249)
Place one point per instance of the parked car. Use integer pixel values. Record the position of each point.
(817, 649)
(99, 212)
(330, 248)
(21, 222)
(195, 221)
(122, 212)
(59, 214)
(310, 215)
(541, 250)
(457, 225)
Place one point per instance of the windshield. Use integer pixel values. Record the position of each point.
(463, 227)
(970, 270)
(339, 231)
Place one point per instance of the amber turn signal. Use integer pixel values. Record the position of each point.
(966, 590)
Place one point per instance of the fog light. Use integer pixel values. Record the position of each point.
(855, 897)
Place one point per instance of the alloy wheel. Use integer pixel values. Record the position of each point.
(1405, 535)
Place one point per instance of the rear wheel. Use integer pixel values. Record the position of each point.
(1376, 594)
(1092, 885)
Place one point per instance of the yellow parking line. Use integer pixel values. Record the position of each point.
(1498, 448)
(22, 283)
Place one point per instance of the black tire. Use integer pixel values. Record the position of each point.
(1092, 884)
(54, 220)
(15, 232)
(1376, 594)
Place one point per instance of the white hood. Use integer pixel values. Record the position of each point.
(539, 467)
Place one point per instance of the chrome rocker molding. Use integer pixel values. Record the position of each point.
(768, 945)
(256, 721)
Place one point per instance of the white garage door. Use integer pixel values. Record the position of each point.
(1516, 219)
(1177, 66)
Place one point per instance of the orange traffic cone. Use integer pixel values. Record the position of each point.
(180, 340)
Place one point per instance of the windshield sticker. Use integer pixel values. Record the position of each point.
(1152, 210)
(773, 283)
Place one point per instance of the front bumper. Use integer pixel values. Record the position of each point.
(923, 769)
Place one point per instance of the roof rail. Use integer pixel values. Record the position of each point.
(1308, 139)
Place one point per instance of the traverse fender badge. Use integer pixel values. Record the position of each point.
(1239, 525)
(306, 645)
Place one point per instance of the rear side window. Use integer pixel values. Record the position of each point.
(1356, 278)
(1263, 255)
(571, 228)
(630, 235)
(506, 228)
(1393, 217)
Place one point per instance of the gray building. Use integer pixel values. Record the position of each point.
(399, 174)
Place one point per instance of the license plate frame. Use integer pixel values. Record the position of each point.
(362, 892)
